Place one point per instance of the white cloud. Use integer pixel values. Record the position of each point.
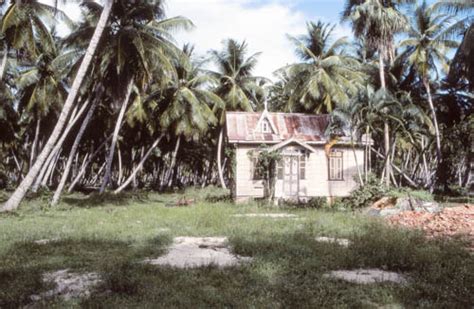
(264, 27)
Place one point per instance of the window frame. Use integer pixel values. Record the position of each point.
(302, 163)
(265, 126)
(335, 156)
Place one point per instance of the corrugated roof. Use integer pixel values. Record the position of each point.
(242, 127)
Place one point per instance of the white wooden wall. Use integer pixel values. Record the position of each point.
(316, 182)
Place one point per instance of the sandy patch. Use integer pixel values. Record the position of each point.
(266, 215)
(190, 252)
(46, 241)
(340, 241)
(367, 276)
(69, 285)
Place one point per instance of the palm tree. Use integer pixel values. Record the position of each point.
(427, 45)
(378, 21)
(327, 77)
(138, 42)
(16, 198)
(237, 87)
(185, 105)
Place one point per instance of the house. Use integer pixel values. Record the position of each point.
(306, 169)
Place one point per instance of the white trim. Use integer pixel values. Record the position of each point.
(290, 141)
(266, 115)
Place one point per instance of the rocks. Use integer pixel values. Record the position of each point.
(190, 252)
(389, 206)
(340, 241)
(367, 276)
(69, 285)
(266, 215)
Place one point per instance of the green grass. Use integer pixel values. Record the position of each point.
(111, 234)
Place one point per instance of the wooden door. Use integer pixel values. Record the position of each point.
(290, 176)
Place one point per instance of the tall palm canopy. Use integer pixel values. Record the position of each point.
(237, 86)
(327, 77)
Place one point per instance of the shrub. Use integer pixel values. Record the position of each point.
(367, 194)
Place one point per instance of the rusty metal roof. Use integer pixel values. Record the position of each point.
(242, 127)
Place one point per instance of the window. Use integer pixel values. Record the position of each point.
(335, 166)
(303, 167)
(266, 126)
(280, 170)
(254, 173)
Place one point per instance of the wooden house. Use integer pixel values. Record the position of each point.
(306, 170)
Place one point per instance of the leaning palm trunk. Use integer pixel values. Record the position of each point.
(173, 162)
(426, 83)
(72, 153)
(44, 173)
(4, 62)
(118, 125)
(35, 142)
(86, 164)
(385, 125)
(219, 163)
(139, 166)
(16, 198)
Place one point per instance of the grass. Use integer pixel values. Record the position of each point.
(111, 234)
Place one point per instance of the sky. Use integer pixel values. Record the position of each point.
(263, 24)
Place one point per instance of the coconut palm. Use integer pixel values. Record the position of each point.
(16, 198)
(327, 77)
(378, 21)
(138, 43)
(237, 87)
(428, 42)
(183, 107)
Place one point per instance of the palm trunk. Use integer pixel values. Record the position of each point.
(139, 166)
(219, 154)
(35, 142)
(118, 125)
(43, 175)
(120, 174)
(426, 83)
(77, 141)
(84, 166)
(4, 62)
(173, 162)
(386, 126)
(16, 198)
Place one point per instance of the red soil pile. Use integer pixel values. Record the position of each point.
(449, 222)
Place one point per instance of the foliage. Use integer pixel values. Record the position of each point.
(365, 195)
(265, 164)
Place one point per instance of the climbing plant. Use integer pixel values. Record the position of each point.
(266, 161)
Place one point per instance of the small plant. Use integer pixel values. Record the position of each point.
(367, 194)
(265, 169)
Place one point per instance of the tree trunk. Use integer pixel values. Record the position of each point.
(410, 181)
(118, 125)
(219, 162)
(426, 83)
(35, 142)
(139, 166)
(16, 198)
(4, 62)
(385, 127)
(83, 168)
(43, 175)
(120, 174)
(77, 141)
(173, 162)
